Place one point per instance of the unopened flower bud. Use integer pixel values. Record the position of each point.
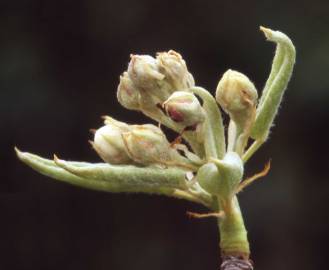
(143, 70)
(149, 81)
(173, 66)
(147, 144)
(127, 94)
(109, 144)
(108, 120)
(237, 95)
(144, 73)
(184, 107)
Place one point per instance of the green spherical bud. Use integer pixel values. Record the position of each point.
(109, 144)
(208, 178)
(231, 172)
(183, 107)
(222, 177)
(236, 94)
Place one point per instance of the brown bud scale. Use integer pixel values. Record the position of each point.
(236, 263)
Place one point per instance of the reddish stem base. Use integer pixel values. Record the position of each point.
(236, 263)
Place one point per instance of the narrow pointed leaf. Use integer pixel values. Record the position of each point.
(276, 85)
(104, 177)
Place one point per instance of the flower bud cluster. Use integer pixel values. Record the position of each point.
(206, 170)
(150, 81)
(119, 143)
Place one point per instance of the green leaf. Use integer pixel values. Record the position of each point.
(276, 85)
(112, 178)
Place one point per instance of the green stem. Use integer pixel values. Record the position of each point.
(233, 234)
(189, 136)
(252, 149)
(214, 137)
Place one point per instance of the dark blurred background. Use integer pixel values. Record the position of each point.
(60, 63)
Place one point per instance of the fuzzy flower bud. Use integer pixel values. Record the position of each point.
(109, 145)
(127, 94)
(143, 70)
(173, 66)
(147, 144)
(237, 95)
(184, 107)
(149, 81)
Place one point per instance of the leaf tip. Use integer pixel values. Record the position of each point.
(59, 162)
(19, 154)
(56, 159)
(267, 31)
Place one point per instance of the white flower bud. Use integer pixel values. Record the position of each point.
(173, 66)
(184, 107)
(147, 144)
(143, 71)
(127, 94)
(237, 95)
(147, 81)
(109, 144)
